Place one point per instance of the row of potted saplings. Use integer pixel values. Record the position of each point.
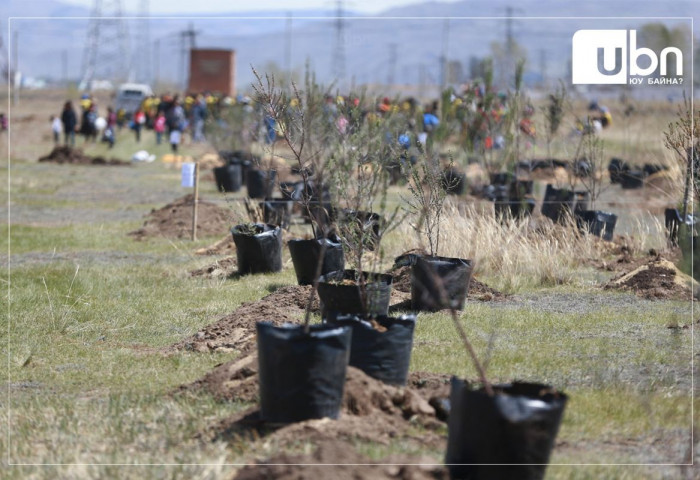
(499, 431)
(512, 197)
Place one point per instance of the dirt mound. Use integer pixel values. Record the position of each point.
(371, 411)
(225, 246)
(366, 396)
(430, 385)
(402, 279)
(341, 462)
(209, 160)
(482, 292)
(221, 268)
(477, 290)
(66, 154)
(175, 220)
(658, 279)
(236, 380)
(236, 331)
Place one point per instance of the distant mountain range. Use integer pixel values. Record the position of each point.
(405, 44)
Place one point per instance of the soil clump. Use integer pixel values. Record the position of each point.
(175, 220)
(66, 154)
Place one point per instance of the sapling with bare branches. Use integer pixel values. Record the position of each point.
(359, 178)
(230, 127)
(592, 150)
(298, 115)
(439, 283)
(682, 137)
(428, 192)
(553, 116)
(299, 118)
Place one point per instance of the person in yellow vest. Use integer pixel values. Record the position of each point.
(85, 102)
(605, 117)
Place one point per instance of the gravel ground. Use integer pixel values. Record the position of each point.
(87, 257)
(589, 302)
(54, 195)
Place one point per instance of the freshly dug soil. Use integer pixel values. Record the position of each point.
(371, 411)
(175, 220)
(436, 388)
(236, 331)
(221, 268)
(658, 279)
(482, 292)
(236, 380)
(477, 290)
(66, 154)
(209, 161)
(402, 279)
(337, 458)
(225, 246)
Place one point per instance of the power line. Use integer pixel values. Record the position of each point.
(142, 65)
(188, 42)
(444, 52)
(106, 51)
(339, 51)
(288, 47)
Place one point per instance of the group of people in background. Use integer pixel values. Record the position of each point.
(166, 115)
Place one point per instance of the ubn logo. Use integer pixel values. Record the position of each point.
(600, 57)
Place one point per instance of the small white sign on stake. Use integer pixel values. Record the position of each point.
(188, 174)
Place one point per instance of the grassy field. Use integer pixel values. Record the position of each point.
(89, 390)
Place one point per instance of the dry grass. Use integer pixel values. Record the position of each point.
(521, 254)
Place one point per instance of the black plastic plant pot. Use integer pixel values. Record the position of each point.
(632, 179)
(558, 203)
(277, 211)
(429, 272)
(672, 221)
(503, 178)
(246, 166)
(521, 188)
(228, 178)
(600, 224)
(394, 170)
(582, 200)
(454, 181)
(305, 254)
(260, 183)
(301, 375)
(340, 292)
(616, 168)
(504, 437)
(362, 225)
(258, 248)
(288, 189)
(510, 208)
(381, 349)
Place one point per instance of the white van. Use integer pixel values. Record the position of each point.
(130, 95)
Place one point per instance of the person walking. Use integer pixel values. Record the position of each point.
(87, 126)
(69, 121)
(110, 133)
(199, 115)
(159, 127)
(56, 128)
(175, 137)
(137, 123)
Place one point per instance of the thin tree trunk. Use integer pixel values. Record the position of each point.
(688, 178)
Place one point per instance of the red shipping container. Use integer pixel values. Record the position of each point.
(212, 70)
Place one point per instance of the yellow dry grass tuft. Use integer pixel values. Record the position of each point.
(522, 254)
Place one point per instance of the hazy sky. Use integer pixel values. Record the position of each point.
(213, 6)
